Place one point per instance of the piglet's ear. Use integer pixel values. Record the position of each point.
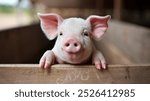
(50, 23)
(98, 25)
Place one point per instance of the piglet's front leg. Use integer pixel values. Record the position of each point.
(99, 60)
(47, 59)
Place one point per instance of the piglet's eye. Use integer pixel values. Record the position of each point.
(61, 34)
(86, 34)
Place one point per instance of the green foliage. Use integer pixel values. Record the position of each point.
(7, 9)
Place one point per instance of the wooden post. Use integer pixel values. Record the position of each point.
(117, 9)
(100, 6)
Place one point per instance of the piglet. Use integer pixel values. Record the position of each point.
(74, 44)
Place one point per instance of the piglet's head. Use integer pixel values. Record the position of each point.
(51, 22)
(74, 35)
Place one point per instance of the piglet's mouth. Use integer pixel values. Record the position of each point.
(73, 54)
(74, 57)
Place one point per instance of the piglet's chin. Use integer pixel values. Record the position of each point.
(75, 58)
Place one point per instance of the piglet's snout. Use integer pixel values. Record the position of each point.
(72, 45)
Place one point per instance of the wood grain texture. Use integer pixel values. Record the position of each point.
(78, 74)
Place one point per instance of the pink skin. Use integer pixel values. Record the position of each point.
(99, 60)
(47, 59)
(74, 43)
(73, 50)
(71, 45)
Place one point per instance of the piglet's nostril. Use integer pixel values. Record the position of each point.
(67, 44)
(72, 45)
(75, 44)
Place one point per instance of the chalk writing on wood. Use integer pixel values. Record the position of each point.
(79, 75)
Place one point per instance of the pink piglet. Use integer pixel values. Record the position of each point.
(74, 43)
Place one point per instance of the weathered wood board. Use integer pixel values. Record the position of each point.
(70, 74)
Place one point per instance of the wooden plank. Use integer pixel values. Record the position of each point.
(30, 73)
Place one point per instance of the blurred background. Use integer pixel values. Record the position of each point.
(21, 39)
(23, 12)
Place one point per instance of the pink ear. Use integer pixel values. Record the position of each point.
(98, 25)
(50, 23)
